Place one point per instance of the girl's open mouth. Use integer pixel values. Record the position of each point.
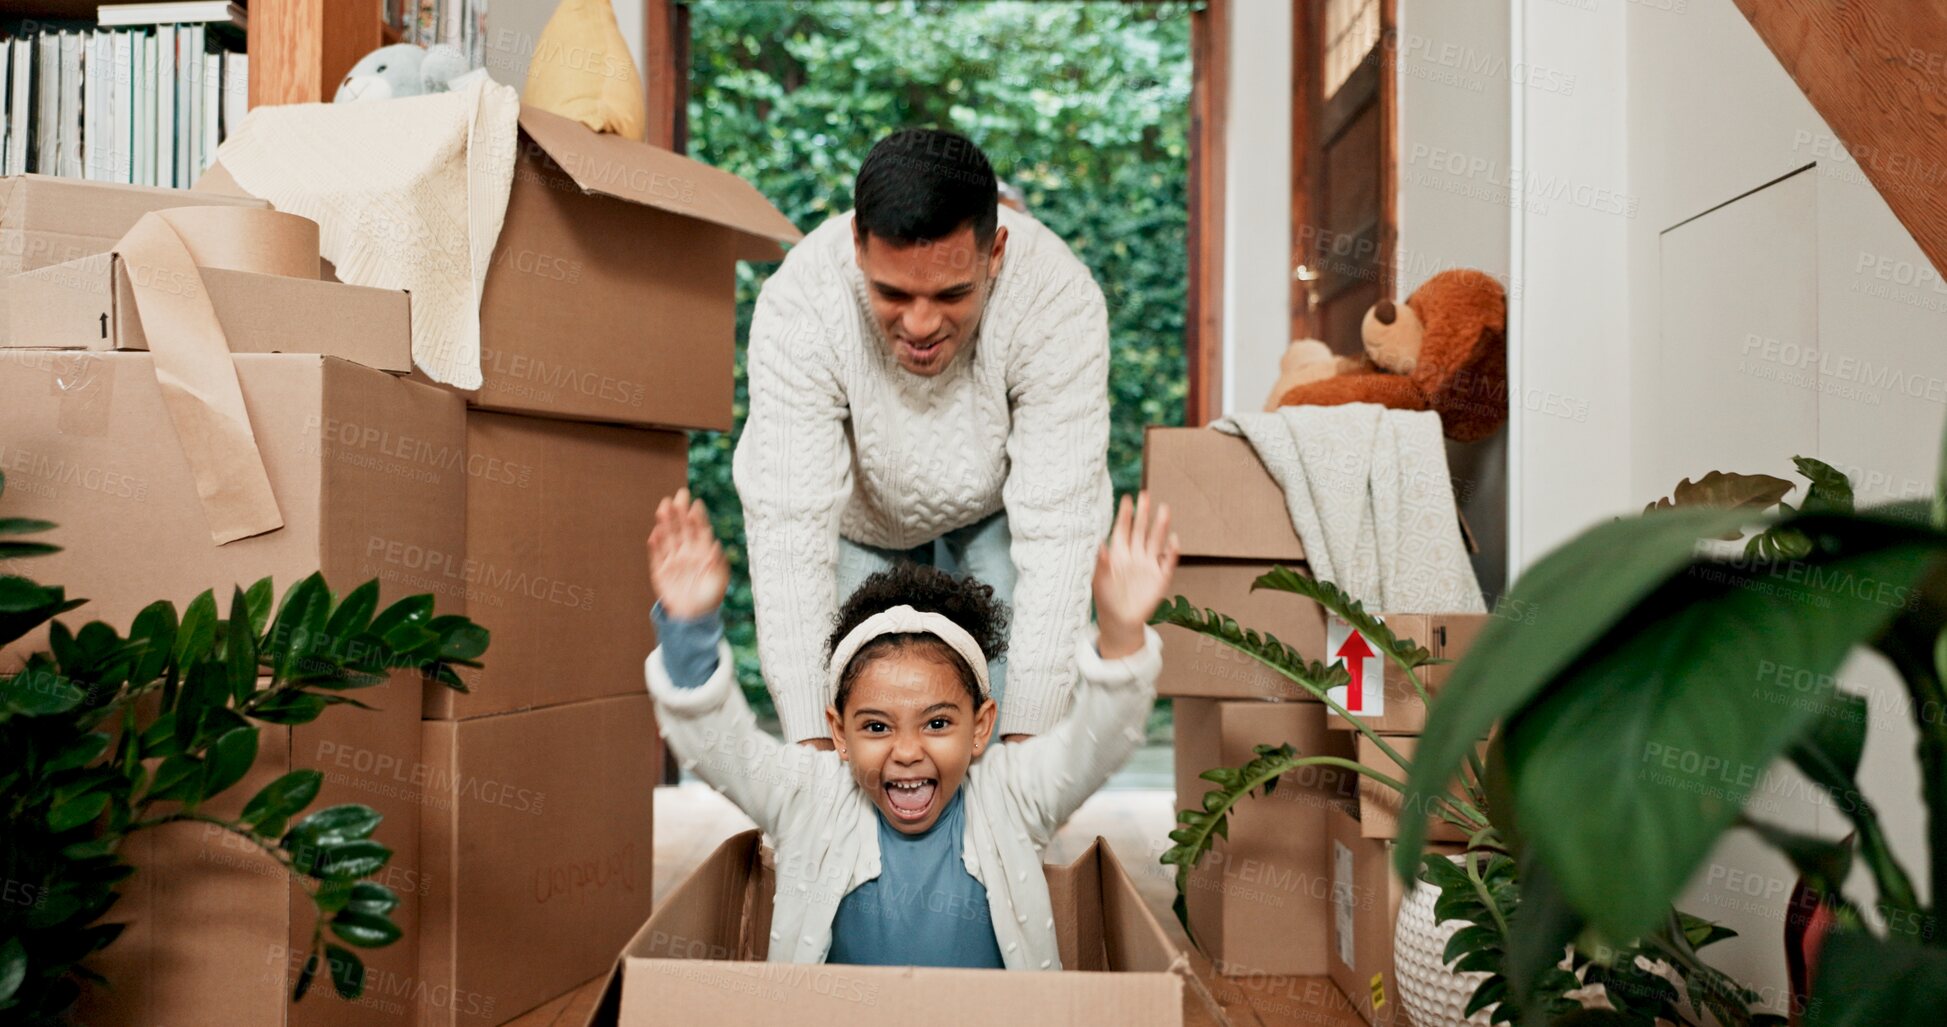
(911, 799)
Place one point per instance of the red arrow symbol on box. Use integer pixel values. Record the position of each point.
(1354, 651)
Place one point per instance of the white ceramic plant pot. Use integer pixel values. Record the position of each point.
(1431, 994)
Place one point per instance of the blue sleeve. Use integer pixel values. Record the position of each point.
(689, 646)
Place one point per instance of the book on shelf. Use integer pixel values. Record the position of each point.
(140, 105)
(220, 12)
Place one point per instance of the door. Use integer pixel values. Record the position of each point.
(1343, 206)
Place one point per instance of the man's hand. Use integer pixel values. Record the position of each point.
(687, 567)
(820, 744)
(1132, 574)
(1018, 736)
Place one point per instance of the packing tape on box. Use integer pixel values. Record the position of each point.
(192, 355)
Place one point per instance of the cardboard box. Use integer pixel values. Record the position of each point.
(86, 442)
(698, 960)
(1222, 502)
(89, 303)
(217, 931)
(367, 470)
(1380, 806)
(537, 841)
(1200, 666)
(1259, 901)
(46, 220)
(611, 295)
(554, 566)
(1448, 636)
(1365, 905)
(612, 292)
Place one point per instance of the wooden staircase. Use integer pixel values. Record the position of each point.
(1876, 71)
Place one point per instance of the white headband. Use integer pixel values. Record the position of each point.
(900, 620)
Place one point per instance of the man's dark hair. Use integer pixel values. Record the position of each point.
(922, 184)
(965, 601)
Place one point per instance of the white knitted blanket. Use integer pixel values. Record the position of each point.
(408, 194)
(1369, 494)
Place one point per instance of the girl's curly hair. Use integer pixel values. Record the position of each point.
(965, 601)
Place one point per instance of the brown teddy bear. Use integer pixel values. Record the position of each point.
(1444, 349)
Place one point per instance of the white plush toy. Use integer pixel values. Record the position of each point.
(405, 69)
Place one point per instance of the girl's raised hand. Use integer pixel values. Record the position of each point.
(687, 567)
(1132, 574)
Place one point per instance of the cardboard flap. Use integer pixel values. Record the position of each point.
(84, 293)
(1075, 896)
(1131, 937)
(650, 175)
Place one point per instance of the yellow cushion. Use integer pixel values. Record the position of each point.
(582, 70)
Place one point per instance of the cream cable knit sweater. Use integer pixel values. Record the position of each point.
(840, 439)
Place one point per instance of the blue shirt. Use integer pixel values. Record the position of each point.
(924, 908)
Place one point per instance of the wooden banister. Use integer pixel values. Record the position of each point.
(1873, 71)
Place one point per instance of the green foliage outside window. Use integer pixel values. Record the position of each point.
(1083, 106)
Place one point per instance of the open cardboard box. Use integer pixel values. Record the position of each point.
(611, 295)
(699, 960)
(46, 220)
(89, 303)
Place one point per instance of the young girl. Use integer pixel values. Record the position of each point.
(918, 841)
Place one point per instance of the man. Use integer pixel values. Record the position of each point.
(927, 372)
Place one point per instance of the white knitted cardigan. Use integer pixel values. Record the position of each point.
(840, 439)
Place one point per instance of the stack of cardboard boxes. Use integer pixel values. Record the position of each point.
(1302, 886)
(519, 813)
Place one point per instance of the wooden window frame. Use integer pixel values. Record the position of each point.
(1305, 85)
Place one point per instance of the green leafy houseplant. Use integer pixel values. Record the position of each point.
(1639, 716)
(1482, 888)
(105, 735)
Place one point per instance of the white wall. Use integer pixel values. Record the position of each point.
(1734, 315)
(1257, 202)
(1568, 353)
(1455, 74)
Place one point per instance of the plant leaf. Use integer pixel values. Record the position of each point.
(352, 860)
(372, 898)
(240, 650)
(37, 692)
(78, 753)
(347, 972)
(257, 599)
(365, 930)
(290, 707)
(283, 797)
(354, 614)
(72, 813)
(230, 759)
(1328, 595)
(1865, 981)
(1311, 676)
(198, 630)
(1724, 490)
(13, 968)
(1683, 703)
(335, 825)
(306, 976)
